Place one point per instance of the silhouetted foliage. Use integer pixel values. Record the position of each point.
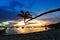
(25, 14)
(3, 31)
(54, 26)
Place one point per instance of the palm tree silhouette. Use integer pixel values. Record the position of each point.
(58, 9)
(24, 15)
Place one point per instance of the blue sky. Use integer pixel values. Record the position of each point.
(10, 8)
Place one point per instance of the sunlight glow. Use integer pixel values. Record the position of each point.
(34, 25)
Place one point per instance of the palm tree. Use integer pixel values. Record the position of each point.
(24, 15)
(58, 9)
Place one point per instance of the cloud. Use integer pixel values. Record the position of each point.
(7, 15)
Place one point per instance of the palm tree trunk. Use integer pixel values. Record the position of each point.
(24, 20)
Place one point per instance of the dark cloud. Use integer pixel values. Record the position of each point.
(6, 15)
(10, 8)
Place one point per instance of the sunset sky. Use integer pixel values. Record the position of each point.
(10, 8)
